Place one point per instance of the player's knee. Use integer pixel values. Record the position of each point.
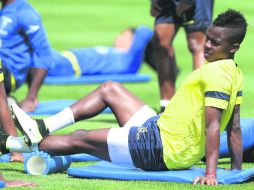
(161, 44)
(110, 87)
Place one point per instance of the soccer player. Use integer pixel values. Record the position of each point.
(23, 46)
(6, 123)
(7, 126)
(207, 102)
(124, 57)
(194, 16)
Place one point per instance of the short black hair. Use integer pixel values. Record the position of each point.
(234, 20)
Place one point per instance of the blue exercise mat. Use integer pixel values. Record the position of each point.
(2, 184)
(107, 170)
(83, 158)
(247, 126)
(95, 79)
(7, 157)
(51, 107)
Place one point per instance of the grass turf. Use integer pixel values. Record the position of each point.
(79, 23)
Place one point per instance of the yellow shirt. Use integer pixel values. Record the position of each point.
(182, 125)
(1, 72)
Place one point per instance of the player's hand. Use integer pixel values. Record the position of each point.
(182, 7)
(18, 183)
(208, 180)
(16, 157)
(29, 105)
(155, 9)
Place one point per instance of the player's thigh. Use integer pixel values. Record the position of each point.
(164, 33)
(122, 102)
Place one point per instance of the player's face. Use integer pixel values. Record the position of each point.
(217, 44)
(124, 40)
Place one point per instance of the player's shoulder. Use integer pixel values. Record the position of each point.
(26, 9)
(26, 14)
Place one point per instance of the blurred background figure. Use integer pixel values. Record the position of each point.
(195, 16)
(124, 57)
(24, 46)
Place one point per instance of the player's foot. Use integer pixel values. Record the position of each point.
(34, 130)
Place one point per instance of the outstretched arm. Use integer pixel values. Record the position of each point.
(42, 59)
(212, 116)
(35, 80)
(234, 135)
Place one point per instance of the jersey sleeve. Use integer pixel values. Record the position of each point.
(32, 27)
(217, 89)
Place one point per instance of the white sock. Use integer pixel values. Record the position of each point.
(164, 103)
(60, 120)
(17, 144)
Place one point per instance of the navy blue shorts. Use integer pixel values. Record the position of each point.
(201, 17)
(146, 147)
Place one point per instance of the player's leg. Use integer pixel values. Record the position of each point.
(5, 116)
(165, 59)
(110, 94)
(93, 142)
(119, 145)
(196, 41)
(196, 31)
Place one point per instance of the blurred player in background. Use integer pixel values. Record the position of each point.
(195, 16)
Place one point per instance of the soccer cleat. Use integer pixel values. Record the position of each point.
(34, 130)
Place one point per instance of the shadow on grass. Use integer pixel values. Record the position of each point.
(12, 170)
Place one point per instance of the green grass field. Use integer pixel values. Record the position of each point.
(79, 23)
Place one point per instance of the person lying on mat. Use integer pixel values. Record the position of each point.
(124, 57)
(207, 102)
(24, 47)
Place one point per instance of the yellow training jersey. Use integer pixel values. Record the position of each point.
(1, 72)
(182, 125)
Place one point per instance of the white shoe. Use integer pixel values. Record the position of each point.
(29, 127)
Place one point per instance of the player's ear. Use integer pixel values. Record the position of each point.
(235, 47)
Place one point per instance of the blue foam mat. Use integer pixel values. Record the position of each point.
(95, 79)
(107, 170)
(247, 126)
(7, 157)
(2, 184)
(51, 107)
(83, 158)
